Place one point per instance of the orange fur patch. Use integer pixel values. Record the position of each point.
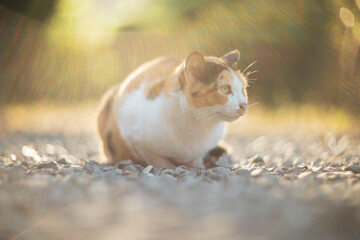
(153, 76)
(207, 95)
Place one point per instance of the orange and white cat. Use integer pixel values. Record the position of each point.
(169, 113)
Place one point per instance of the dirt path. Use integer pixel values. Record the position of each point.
(298, 187)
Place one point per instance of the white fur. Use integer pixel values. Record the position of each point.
(165, 127)
(238, 96)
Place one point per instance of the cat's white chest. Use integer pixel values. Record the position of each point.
(159, 127)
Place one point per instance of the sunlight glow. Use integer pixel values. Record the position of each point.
(93, 22)
(347, 17)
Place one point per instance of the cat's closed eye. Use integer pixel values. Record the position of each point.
(225, 89)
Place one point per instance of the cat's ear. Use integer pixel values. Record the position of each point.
(231, 58)
(195, 66)
(193, 61)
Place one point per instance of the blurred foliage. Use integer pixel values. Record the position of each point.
(306, 51)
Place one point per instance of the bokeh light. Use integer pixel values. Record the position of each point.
(84, 47)
(347, 17)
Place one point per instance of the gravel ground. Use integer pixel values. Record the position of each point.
(294, 187)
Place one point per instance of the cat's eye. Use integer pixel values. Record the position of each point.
(225, 89)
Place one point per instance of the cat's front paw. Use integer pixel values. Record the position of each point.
(218, 157)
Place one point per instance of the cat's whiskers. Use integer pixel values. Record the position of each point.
(251, 105)
(251, 64)
(249, 73)
(204, 116)
(216, 113)
(220, 115)
(251, 80)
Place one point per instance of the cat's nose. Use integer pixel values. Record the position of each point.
(243, 107)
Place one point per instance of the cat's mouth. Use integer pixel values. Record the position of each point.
(229, 116)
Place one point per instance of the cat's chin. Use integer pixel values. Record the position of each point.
(230, 117)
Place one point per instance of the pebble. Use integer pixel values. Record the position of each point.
(29, 152)
(124, 163)
(49, 165)
(155, 171)
(242, 172)
(62, 161)
(257, 160)
(108, 168)
(353, 168)
(212, 175)
(92, 162)
(167, 171)
(295, 170)
(257, 172)
(147, 170)
(221, 170)
(344, 174)
(134, 169)
(205, 193)
(180, 170)
(46, 171)
(304, 175)
(287, 164)
(25, 164)
(322, 175)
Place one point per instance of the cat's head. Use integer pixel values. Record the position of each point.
(213, 87)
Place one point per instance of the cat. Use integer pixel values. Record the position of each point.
(169, 113)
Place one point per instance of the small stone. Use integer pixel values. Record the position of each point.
(155, 171)
(124, 163)
(66, 171)
(25, 164)
(242, 172)
(343, 174)
(13, 157)
(48, 165)
(147, 170)
(279, 172)
(108, 168)
(295, 170)
(9, 165)
(137, 169)
(212, 175)
(28, 151)
(287, 164)
(322, 175)
(257, 172)
(92, 162)
(46, 171)
(181, 170)
(257, 160)
(62, 161)
(333, 177)
(304, 175)
(167, 171)
(353, 168)
(221, 170)
(19, 167)
(317, 169)
(303, 167)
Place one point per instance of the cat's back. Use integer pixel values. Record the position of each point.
(149, 74)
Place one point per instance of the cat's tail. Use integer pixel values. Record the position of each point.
(104, 122)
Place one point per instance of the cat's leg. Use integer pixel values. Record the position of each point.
(221, 152)
(114, 147)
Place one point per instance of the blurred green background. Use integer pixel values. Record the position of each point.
(72, 51)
